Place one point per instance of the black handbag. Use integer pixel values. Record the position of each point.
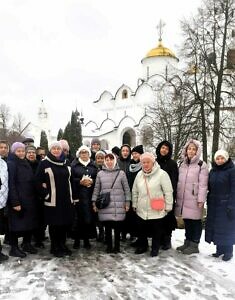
(103, 199)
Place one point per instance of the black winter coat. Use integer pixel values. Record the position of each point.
(57, 195)
(22, 191)
(83, 193)
(220, 223)
(169, 165)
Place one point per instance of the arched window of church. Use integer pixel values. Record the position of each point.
(124, 94)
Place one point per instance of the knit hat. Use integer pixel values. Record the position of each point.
(139, 149)
(30, 148)
(64, 144)
(83, 148)
(116, 150)
(17, 145)
(55, 144)
(223, 153)
(95, 141)
(100, 152)
(147, 155)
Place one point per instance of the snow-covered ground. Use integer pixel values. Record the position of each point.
(95, 275)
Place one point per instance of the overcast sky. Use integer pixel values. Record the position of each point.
(69, 51)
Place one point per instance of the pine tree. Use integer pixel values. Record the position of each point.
(44, 140)
(73, 132)
(60, 134)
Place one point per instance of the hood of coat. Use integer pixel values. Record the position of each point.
(165, 157)
(120, 155)
(198, 154)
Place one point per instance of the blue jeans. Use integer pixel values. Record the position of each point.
(193, 230)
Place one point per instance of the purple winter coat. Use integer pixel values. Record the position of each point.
(192, 185)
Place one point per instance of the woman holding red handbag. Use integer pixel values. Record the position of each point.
(152, 199)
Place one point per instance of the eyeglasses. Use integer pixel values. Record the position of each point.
(83, 152)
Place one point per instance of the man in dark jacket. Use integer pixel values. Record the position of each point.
(164, 153)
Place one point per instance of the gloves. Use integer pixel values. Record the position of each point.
(231, 213)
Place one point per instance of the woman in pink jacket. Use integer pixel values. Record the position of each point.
(191, 195)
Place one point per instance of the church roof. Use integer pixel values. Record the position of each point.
(160, 50)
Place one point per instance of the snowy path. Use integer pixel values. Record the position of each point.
(97, 275)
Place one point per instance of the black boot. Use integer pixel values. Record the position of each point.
(166, 243)
(66, 250)
(27, 247)
(16, 252)
(227, 256)
(76, 244)
(154, 252)
(87, 244)
(140, 250)
(3, 257)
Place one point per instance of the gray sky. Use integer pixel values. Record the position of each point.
(69, 51)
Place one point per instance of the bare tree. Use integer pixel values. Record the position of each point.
(4, 119)
(207, 37)
(174, 116)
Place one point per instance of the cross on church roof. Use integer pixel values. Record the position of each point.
(160, 26)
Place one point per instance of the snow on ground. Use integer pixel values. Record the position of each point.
(93, 274)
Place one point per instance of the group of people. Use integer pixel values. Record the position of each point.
(146, 194)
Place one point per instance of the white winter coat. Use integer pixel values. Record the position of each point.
(159, 185)
(4, 183)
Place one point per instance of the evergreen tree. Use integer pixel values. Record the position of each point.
(73, 132)
(60, 134)
(44, 140)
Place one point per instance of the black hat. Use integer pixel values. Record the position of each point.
(28, 140)
(139, 149)
(116, 150)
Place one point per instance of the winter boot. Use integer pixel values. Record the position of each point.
(16, 252)
(227, 256)
(192, 248)
(76, 244)
(27, 247)
(87, 244)
(3, 257)
(166, 243)
(184, 246)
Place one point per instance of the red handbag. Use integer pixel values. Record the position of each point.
(157, 203)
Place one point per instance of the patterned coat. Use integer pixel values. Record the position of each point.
(3, 183)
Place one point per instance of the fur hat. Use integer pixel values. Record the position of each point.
(17, 145)
(30, 148)
(83, 148)
(64, 144)
(95, 141)
(223, 153)
(147, 155)
(139, 149)
(55, 144)
(100, 152)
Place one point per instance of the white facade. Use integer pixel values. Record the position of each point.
(121, 118)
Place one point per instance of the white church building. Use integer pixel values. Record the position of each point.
(121, 117)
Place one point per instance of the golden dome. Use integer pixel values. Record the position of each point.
(160, 50)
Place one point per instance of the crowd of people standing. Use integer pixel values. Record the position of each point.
(144, 193)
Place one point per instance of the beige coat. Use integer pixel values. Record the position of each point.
(159, 185)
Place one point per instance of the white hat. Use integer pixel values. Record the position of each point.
(83, 148)
(221, 153)
(55, 144)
